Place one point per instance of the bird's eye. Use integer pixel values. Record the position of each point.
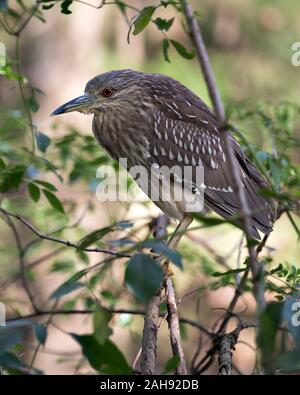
(108, 91)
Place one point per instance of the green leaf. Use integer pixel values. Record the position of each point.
(52, 199)
(109, 296)
(11, 177)
(160, 247)
(10, 361)
(83, 256)
(143, 19)
(99, 233)
(42, 141)
(182, 50)
(62, 266)
(171, 365)
(33, 104)
(122, 6)
(66, 288)
(94, 236)
(34, 192)
(46, 185)
(143, 277)
(65, 7)
(13, 14)
(41, 333)
(164, 24)
(269, 321)
(165, 49)
(47, 6)
(105, 358)
(165, 3)
(2, 164)
(252, 243)
(101, 329)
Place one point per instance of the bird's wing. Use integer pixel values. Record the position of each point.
(185, 134)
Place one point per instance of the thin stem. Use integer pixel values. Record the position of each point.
(22, 92)
(41, 313)
(21, 261)
(65, 242)
(196, 37)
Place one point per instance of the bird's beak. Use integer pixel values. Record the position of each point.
(78, 104)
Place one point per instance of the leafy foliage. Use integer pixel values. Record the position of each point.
(143, 18)
(143, 277)
(105, 358)
(39, 174)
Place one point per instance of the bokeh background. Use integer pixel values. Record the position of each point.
(249, 43)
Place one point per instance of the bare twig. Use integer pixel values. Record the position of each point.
(239, 289)
(27, 20)
(41, 313)
(60, 241)
(160, 231)
(43, 258)
(225, 355)
(37, 349)
(222, 345)
(204, 61)
(148, 355)
(21, 260)
(173, 322)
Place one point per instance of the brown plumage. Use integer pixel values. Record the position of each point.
(153, 120)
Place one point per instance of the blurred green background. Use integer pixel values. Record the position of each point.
(249, 43)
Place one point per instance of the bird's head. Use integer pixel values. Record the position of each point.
(106, 91)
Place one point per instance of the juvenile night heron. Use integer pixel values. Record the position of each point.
(154, 121)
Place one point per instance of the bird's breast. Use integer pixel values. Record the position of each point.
(122, 142)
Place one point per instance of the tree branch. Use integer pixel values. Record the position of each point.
(21, 260)
(149, 342)
(225, 355)
(173, 322)
(148, 356)
(42, 313)
(196, 37)
(60, 241)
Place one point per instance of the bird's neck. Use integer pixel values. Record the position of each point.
(120, 141)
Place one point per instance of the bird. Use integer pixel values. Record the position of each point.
(156, 122)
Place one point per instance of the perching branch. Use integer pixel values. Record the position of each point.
(148, 356)
(173, 322)
(160, 232)
(149, 342)
(225, 355)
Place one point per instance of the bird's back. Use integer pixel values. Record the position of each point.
(170, 127)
